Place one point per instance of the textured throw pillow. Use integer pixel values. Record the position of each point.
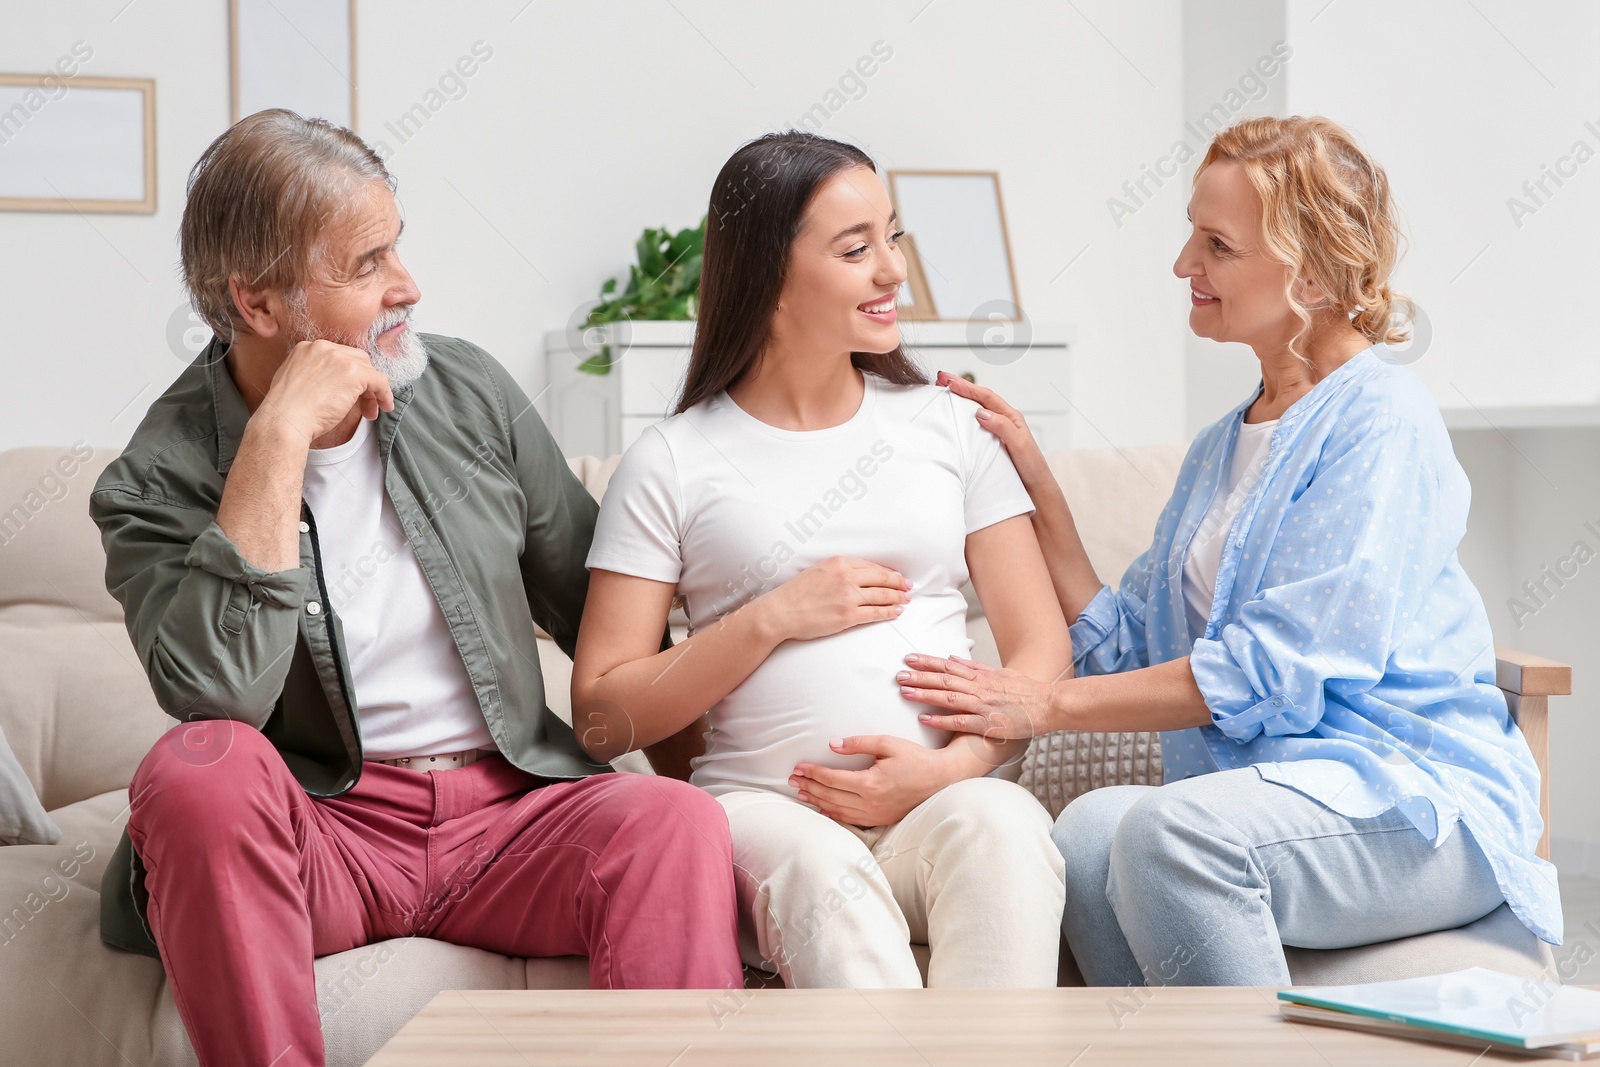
(23, 820)
(1058, 768)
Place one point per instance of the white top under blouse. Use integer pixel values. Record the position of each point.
(1205, 551)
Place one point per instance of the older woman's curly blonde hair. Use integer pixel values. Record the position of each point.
(1327, 213)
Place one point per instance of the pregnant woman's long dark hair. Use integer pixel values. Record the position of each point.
(756, 208)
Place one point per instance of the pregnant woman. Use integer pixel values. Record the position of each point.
(818, 506)
(1340, 768)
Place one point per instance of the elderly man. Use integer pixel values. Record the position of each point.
(332, 538)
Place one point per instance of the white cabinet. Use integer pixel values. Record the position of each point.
(600, 415)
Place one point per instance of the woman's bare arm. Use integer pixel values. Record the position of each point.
(1009, 574)
(626, 694)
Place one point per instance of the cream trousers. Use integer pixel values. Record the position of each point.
(971, 872)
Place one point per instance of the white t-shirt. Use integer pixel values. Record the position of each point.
(1205, 550)
(413, 695)
(728, 507)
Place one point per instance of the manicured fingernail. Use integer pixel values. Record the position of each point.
(903, 676)
(899, 608)
(837, 742)
(911, 657)
(982, 414)
(924, 718)
(804, 795)
(906, 690)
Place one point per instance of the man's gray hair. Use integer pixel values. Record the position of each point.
(258, 200)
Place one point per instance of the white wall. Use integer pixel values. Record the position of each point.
(1462, 104)
(1536, 493)
(85, 299)
(589, 122)
(1231, 60)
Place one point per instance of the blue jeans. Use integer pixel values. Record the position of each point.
(1203, 881)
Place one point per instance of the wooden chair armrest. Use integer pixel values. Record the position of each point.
(1530, 675)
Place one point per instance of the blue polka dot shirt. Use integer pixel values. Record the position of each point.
(1346, 655)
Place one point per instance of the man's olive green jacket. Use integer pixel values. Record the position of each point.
(497, 519)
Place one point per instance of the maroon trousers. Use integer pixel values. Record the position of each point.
(250, 879)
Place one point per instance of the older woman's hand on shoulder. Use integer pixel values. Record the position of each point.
(1071, 573)
(1007, 424)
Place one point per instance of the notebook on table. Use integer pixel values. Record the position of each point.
(1476, 1007)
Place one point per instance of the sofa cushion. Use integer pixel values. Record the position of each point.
(75, 703)
(1497, 941)
(1116, 495)
(1060, 767)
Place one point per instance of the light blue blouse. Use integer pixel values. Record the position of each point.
(1347, 655)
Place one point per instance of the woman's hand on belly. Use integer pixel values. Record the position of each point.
(903, 775)
(832, 596)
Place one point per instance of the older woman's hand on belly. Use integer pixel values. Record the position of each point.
(903, 775)
(975, 698)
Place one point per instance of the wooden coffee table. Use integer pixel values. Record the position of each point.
(1080, 1027)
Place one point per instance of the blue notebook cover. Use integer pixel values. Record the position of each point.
(1477, 1002)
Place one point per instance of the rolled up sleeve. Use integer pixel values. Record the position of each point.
(1244, 693)
(1109, 635)
(214, 632)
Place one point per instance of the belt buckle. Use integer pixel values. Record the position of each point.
(441, 761)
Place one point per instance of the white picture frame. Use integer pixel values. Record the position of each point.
(958, 221)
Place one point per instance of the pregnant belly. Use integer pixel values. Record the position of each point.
(807, 693)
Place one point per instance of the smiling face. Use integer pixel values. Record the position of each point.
(844, 270)
(358, 293)
(1237, 287)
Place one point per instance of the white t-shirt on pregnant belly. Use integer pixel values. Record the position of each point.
(728, 507)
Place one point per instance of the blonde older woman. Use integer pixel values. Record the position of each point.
(1340, 768)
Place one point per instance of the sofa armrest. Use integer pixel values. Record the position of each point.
(1529, 682)
(1529, 675)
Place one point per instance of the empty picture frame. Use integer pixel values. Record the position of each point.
(298, 54)
(77, 144)
(916, 300)
(960, 226)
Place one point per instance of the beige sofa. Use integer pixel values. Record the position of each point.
(79, 715)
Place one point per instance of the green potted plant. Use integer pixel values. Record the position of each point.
(662, 286)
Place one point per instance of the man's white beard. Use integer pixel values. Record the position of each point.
(401, 369)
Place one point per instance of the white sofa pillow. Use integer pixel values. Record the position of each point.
(23, 820)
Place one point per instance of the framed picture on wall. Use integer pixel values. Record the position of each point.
(298, 54)
(959, 223)
(79, 144)
(916, 299)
